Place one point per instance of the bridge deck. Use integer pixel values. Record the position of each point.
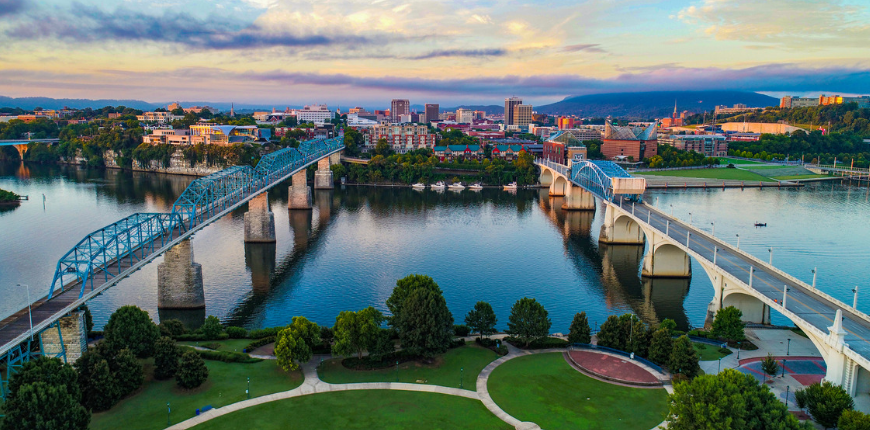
(803, 301)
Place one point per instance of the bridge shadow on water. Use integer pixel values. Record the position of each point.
(617, 267)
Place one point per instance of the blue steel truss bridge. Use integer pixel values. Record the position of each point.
(104, 257)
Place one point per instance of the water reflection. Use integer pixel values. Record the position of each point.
(260, 261)
(191, 318)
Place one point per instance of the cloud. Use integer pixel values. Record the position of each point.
(495, 52)
(588, 47)
(11, 7)
(798, 24)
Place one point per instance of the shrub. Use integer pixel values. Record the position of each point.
(166, 355)
(461, 330)
(725, 351)
(826, 402)
(853, 420)
(501, 350)
(728, 324)
(258, 343)
(543, 343)
(770, 366)
(200, 337)
(237, 332)
(172, 328)
(130, 327)
(99, 392)
(224, 356)
(264, 332)
(192, 371)
(684, 359)
(211, 329)
(128, 372)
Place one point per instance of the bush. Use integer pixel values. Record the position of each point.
(486, 342)
(543, 343)
(258, 343)
(200, 337)
(99, 391)
(383, 362)
(237, 333)
(461, 330)
(853, 420)
(264, 332)
(211, 329)
(456, 343)
(224, 356)
(192, 371)
(501, 350)
(728, 324)
(166, 355)
(128, 372)
(725, 351)
(826, 402)
(172, 328)
(130, 327)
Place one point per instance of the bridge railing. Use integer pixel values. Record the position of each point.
(559, 167)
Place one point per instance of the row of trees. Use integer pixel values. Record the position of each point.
(668, 156)
(842, 118)
(813, 146)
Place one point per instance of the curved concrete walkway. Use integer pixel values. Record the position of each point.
(313, 385)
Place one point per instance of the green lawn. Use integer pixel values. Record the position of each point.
(735, 161)
(544, 389)
(236, 345)
(708, 352)
(365, 409)
(785, 178)
(445, 371)
(722, 173)
(146, 409)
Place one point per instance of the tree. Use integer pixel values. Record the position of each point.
(661, 346)
(610, 333)
(192, 371)
(728, 400)
(853, 420)
(528, 320)
(826, 402)
(403, 289)
(89, 320)
(99, 392)
(579, 332)
(127, 371)
(356, 332)
(383, 344)
(132, 328)
(44, 395)
(769, 365)
(668, 324)
(295, 343)
(684, 359)
(425, 324)
(728, 324)
(382, 147)
(481, 319)
(166, 355)
(211, 328)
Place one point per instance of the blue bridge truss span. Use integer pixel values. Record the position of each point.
(109, 254)
(606, 179)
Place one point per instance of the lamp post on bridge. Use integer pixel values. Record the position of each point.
(713, 231)
(738, 242)
(770, 250)
(854, 301)
(29, 308)
(672, 211)
(814, 278)
(690, 218)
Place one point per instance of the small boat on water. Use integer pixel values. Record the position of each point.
(456, 187)
(418, 186)
(761, 224)
(438, 185)
(475, 186)
(511, 186)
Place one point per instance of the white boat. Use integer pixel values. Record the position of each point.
(438, 185)
(475, 186)
(418, 186)
(511, 186)
(456, 187)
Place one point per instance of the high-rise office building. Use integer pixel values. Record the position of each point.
(522, 115)
(510, 104)
(432, 110)
(399, 107)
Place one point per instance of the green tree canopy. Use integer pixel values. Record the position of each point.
(425, 324)
(579, 332)
(661, 346)
(166, 355)
(728, 324)
(481, 319)
(132, 328)
(769, 365)
(211, 328)
(684, 359)
(528, 320)
(44, 395)
(192, 371)
(826, 402)
(295, 344)
(853, 420)
(99, 391)
(356, 332)
(403, 289)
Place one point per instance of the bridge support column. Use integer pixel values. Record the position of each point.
(578, 199)
(842, 370)
(259, 220)
(546, 178)
(68, 338)
(619, 229)
(21, 150)
(179, 279)
(323, 176)
(300, 193)
(665, 260)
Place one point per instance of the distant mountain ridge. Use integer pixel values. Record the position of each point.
(28, 103)
(653, 104)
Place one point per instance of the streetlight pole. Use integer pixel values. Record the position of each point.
(770, 250)
(397, 370)
(29, 308)
(720, 365)
(690, 218)
(460, 378)
(248, 390)
(738, 242)
(788, 347)
(783, 368)
(814, 278)
(738, 351)
(713, 231)
(787, 388)
(854, 301)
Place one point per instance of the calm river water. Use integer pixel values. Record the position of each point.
(348, 252)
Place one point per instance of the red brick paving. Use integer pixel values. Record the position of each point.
(613, 367)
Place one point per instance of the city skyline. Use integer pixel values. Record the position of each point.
(258, 51)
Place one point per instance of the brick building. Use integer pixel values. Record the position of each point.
(634, 142)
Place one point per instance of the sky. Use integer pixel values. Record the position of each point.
(367, 52)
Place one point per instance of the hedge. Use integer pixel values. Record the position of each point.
(224, 356)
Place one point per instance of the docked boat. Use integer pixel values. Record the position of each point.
(761, 224)
(456, 187)
(511, 186)
(439, 185)
(475, 186)
(418, 186)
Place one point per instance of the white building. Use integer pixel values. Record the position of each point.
(353, 120)
(464, 116)
(317, 114)
(159, 117)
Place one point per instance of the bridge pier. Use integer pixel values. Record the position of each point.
(559, 186)
(546, 178)
(299, 196)
(323, 176)
(259, 220)
(67, 339)
(179, 279)
(22, 148)
(578, 199)
(619, 229)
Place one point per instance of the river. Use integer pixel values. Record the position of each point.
(492, 245)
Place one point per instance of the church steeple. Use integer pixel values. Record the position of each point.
(232, 110)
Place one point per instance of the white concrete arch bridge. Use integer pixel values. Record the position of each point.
(840, 332)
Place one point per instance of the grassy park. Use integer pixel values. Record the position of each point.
(708, 352)
(146, 408)
(544, 389)
(735, 161)
(444, 371)
(234, 345)
(364, 409)
(721, 174)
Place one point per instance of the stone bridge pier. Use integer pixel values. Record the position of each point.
(179, 279)
(323, 179)
(299, 196)
(259, 220)
(68, 338)
(619, 229)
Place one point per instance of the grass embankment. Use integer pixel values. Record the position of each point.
(790, 177)
(544, 389)
(443, 371)
(146, 409)
(235, 345)
(722, 174)
(735, 161)
(364, 409)
(708, 352)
